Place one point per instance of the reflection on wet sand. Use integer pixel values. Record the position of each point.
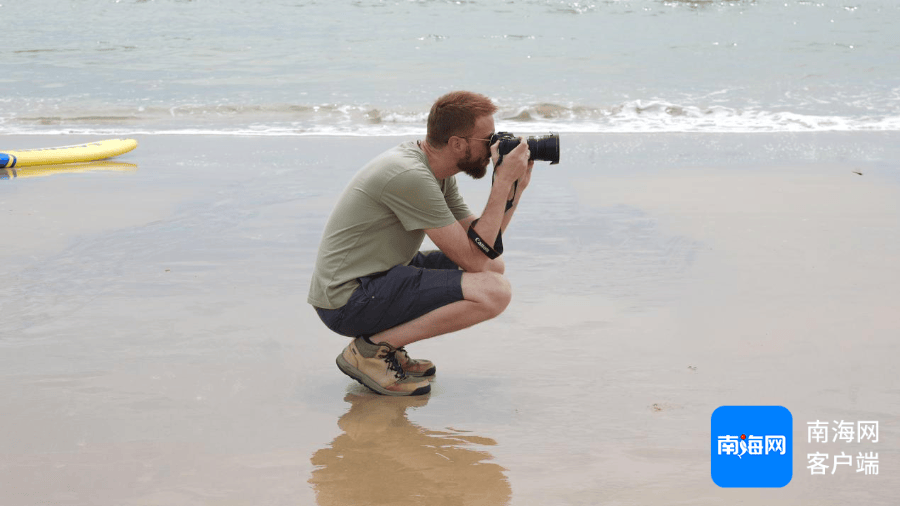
(383, 458)
(68, 168)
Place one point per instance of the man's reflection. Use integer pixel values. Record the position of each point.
(383, 458)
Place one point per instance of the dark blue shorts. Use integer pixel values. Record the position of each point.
(396, 296)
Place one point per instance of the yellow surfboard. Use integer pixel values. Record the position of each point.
(89, 152)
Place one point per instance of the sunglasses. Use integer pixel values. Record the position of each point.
(488, 140)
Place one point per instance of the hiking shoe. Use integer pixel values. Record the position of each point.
(416, 368)
(376, 367)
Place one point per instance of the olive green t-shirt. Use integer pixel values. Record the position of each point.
(379, 222)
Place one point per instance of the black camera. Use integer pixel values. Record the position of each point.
(544, 148)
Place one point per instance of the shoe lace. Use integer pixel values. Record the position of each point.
(393, 365)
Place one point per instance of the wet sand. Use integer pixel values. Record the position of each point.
(156, 346)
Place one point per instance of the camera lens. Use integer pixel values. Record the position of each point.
(545, 148)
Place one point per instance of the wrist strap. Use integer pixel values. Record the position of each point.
(490, 252)
(511, 202)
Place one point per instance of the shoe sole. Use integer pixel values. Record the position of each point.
(367, 382)
(427, 374)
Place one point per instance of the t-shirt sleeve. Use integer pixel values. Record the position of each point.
(455, 201)
(417, 201)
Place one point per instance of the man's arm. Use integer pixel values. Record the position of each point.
(453, 239)
(507, 216)
(523, 183)
(465, 222)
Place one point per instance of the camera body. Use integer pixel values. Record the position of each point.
(544, 148)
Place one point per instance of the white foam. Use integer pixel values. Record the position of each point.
(636, 116)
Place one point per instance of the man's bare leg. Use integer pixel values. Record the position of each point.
(485, 295)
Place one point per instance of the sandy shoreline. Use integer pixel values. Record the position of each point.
(156, 346)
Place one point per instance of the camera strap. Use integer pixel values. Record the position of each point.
(490, 252)
(511, 202)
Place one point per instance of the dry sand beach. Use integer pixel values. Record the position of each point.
(156, 347)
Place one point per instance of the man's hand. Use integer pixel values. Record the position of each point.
(523, 182)
(515, 163)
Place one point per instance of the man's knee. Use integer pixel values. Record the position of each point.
(490, 289)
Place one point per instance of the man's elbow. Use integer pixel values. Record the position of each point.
(479, 262)
(496, 265)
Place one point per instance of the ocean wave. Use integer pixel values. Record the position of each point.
(636, 116)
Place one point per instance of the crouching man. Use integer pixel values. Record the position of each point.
(371, 282)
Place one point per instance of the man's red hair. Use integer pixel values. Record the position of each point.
(455, 114)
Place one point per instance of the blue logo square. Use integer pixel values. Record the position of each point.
(752, 446)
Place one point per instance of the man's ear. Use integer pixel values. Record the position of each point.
(457, 144)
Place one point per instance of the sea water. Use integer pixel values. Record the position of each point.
(373, 67)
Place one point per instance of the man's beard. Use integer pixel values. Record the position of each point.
(475, 168)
